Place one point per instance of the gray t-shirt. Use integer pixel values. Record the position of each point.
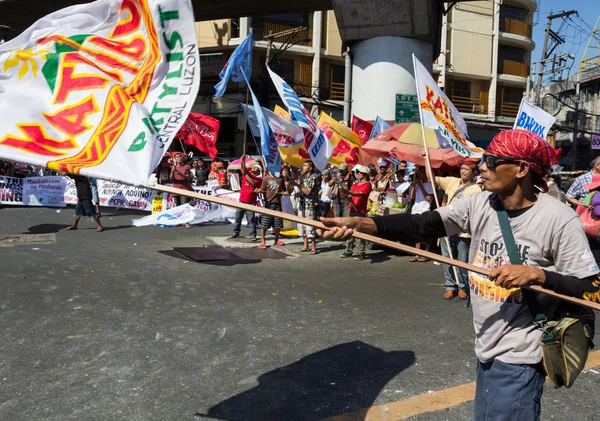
(549, 235)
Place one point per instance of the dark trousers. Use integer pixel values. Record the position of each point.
(508, 392)
(250, 217)
(340, 208)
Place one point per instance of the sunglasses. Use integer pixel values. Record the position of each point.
(492, 161)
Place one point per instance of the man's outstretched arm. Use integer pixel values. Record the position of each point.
(425, 227)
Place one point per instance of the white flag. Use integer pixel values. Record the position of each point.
(100, 89)
(534, 119)
(317, 144)
(438, 113)
(286, 132)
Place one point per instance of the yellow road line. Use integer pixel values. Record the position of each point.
(428, 402)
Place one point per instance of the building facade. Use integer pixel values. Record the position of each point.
(560, 99)
(309, 60)
(483, 65)
(485, 60)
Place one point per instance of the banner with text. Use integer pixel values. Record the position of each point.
(102, 87)
(534, 119)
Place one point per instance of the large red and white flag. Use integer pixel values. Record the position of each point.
(362, 128)
(201, 131)
(99, 89)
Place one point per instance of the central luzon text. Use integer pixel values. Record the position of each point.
(164, 119)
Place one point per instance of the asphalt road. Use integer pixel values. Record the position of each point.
(116, 326)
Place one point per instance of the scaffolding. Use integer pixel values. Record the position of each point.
(589, 67)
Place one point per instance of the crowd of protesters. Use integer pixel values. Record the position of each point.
(341, 191)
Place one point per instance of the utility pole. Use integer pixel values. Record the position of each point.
(577, 96)
(269, 46)
(546, 52)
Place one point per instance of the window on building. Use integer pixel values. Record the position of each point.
(510, 100)
(303, 86)
(460, 88)
(510, 94)
(282, 66)
(512, 12)
(263, 25)
(511, 60)
(235, 28)
(337, 77)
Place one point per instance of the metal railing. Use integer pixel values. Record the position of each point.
(509, 109)
(515, 68)
(336, 91)
(468, 105)
(267, 28)
(517, 27)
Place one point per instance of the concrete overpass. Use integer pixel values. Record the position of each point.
(381, 34)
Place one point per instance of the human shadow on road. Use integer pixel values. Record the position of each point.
(229, 262)
(46, 228)
(338, 380)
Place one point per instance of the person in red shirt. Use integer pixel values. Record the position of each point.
(359, 197)
(251, 182)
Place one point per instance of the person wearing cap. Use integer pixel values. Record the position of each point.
(342, 181)
(251, 182)
(577, 192)
(455, 188)
(551, 244)
(359, 195)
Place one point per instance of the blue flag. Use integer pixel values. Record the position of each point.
(379, 127)
(239, 63)
(268, 142)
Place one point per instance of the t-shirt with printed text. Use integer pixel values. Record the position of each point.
(548, 235)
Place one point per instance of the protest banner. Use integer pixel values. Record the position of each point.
(437, 112)
(103, 94)
(11, 191)
(346, 143)
(534, 119)
(122, 196)
(70, 194)
(184, 214)
(44, 191)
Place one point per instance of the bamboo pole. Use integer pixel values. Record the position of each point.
(246, 117)
(386, 243)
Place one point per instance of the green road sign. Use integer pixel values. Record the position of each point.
(407, 109)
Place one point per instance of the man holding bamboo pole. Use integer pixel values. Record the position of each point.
(548, 240)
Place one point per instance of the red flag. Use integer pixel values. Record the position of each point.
(201, 131)
(362, 128)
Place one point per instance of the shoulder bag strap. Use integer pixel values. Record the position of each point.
(466, 186)
(539, 318)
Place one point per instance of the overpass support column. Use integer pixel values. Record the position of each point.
(382, 36)
(383, 67)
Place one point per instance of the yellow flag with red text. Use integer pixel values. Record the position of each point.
(345, 142)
